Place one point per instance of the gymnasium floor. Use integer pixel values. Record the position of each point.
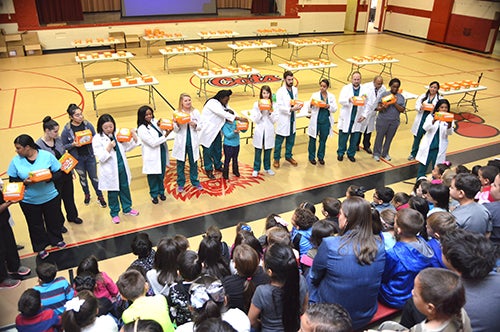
(33, 87)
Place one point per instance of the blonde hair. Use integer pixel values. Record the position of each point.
(181, 97)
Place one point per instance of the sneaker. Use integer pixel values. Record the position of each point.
(180, 189)
(199, 187)
(61, 244)
(86, 201)
(22, 271)
(163, 197)
(132, 212)
(43, 254)
(154, 200)
(115, 220)
(270, 172)
(255, 174)
(388, 158)
(377, 158)
(410, 157)
(9, 283)
(101, 202)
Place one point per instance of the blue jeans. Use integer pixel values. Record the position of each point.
(87, 166)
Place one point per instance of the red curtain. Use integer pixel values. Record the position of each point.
(55, 11)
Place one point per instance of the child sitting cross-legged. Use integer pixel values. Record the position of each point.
(54, 292)
(32, 317)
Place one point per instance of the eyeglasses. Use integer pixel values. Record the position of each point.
(78, 115)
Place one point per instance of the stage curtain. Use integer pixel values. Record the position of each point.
(55, 11)
(242, 4)
(90, 6)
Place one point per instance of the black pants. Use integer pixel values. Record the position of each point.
(9, 258)
(366, 140)
(44, 223)
(67, 192)
(231, 155)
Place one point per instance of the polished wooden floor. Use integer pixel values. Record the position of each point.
(33, 87)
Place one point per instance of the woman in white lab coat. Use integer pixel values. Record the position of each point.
(433, 146)
(263, 134)
(114, 173)
(187, 142)
(154, 152)
(321, 123)
(431, 97)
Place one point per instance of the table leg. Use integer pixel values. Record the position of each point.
(151, 96)
(148, 46)
(83, 71)
(95, 104)
(204, 61)
(268, 55)
(233, 59)
(472, 101)
(295, 52)
(127, 63)
(324, 50)
(387, 68)
(352, 70)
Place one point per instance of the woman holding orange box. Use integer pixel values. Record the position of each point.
(424, 106)
(264, 118)
(114, 173)
(433, 147)
(187, 143)
(82, 152)
(41, 204)
(154, 152)
(51, 142)
(387, 122)
(321, 123)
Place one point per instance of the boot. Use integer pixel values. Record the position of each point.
(225, 174)
(236, 171)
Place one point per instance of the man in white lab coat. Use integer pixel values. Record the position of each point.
(373, 90)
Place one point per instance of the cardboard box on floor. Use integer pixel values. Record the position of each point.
(132, 41)
(3, 47)
(120, 37)
(15, 48)
(31, 43)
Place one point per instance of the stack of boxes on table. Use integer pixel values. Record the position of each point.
(308, 63)
(219, 71)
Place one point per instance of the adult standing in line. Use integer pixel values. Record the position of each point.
(348, 268)
(433, 147)
(424, 106)
(51, 142)
(83, 153)
(263, 135)
(285, 128)
(372, 89)
(388, 120)
(213, 117)
(154, 152)
(321, 123)
(41, 204)
(187, 143)
(351, 118)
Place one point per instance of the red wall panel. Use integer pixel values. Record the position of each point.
(26, 15)
(469, 32)
(440, 18)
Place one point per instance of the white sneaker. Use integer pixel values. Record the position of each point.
(377, 158)
(255, 174)
(388, 158)
(270, 172)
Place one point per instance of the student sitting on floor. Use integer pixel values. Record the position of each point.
(54, 292)
(438, 225)
(382, 199)
(302, 221)
(32, 317)
(331, 209)
(410, 255)
(487, 176)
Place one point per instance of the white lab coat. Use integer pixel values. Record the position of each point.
(418, 117)
(282, 106)
(346, 107)
(108, 162)
(151, 148)
(312, 129)
(179, 149)
(213, 117)
(264, 127)
(371, 104)
(430, 131)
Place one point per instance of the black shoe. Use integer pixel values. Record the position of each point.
(225, 174)
(220, 169)
(76, 221)
(19, 247)
(101, 202)
(340, 158)
(163, 197)
(211, 175)
(236, 172)
(357, 148)
(368, 150)
(64, 230)
(321, 161)
(352, 159)
(312, 161)
(154, 200)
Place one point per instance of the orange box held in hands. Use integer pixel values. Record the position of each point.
(124, 135)
(358, 101)
(182, 117)
(68, 162)
(318, 103)
(83, 137)
(294, 102)
(427, 107)
(166, 124)
(444, 116)
(389, 99)
(265, 104)
(241, 125)
(40, 175)
(13, 192)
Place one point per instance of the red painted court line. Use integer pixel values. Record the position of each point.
(12, 109)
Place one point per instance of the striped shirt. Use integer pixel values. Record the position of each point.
(55, 294)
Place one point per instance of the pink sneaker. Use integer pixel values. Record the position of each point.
(132, 212)
(115, 220)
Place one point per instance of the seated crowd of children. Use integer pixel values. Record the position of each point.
(433, 256)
